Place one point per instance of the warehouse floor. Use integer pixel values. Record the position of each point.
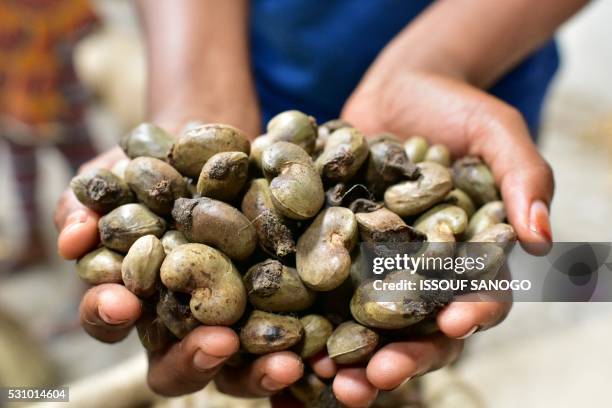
(542, 355)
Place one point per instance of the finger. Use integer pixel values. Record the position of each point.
(352, 388)
(78, 227)
(323, 366)
(189, 365)
(77, 224)
(525, 178)
(460, 320)
(108, 312)
(265, 376)
(398, 362)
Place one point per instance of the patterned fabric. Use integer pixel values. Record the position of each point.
(39, 91)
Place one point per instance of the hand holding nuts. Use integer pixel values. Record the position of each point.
(285, 269)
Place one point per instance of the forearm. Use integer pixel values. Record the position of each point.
(477, 40)
(198, 62)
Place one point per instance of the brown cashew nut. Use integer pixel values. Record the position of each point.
(120, 228)
(413, 197)
(461, 199)
(388, 164)
(488, 215)
(215, 223)
(101, 190)
(174, 312)
(351, 343)
(474, 177)
(273, 287)
(438, 153)
(317, 330)
(290, 126)
(297, 190)
(100, 266)
(272, 227)
(147, 140)
(325, 130)
(265, 332)
(344, 153)
(442, 223)
(501, 233)
(395, 309)
(156, 183)
(323, 252)
(224, 176)
(140, 267)
(196, 146)
(416, 148)
(217, 294)
(171, 239)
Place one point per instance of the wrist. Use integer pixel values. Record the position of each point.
(176, 111)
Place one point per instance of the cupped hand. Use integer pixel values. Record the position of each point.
(108, 312)
(469, 121)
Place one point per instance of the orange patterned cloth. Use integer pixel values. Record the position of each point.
(38, 85)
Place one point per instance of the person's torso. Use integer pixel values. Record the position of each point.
(310, 54)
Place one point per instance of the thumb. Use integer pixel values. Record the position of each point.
(525, 178)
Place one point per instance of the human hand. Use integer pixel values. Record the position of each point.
(469, 121)
(108, 312)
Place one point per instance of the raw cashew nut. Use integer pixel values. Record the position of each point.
(442, 223)
(273, 287)
(273, 230)
(217, 294)
(438, 153)
(323, 252)
(383, 225)
(266, 332)
(501, 233)
(388, 164)
(223, 176)
(290, 126)
(101, 190)
(171, 239)
(147, 140)
(140, 267)
(297, 189)
(317, 330)
(173, 310)
(156, 183)
(100, 266)
(413, 197)
(488, 215)
(474, 177)
(215, 223)
(193, 149)
(416, 148)
(461, 199)
(344, 153)
(351, 343)
(395, 309)
(120, 228)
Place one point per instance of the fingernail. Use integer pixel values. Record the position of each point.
(109, 320)
(203, 361)
(271, 384)
(77, 217)
(539, 221)
(469, 333)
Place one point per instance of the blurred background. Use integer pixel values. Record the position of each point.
(543, 355)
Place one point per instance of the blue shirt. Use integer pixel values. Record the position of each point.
(310, 55)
